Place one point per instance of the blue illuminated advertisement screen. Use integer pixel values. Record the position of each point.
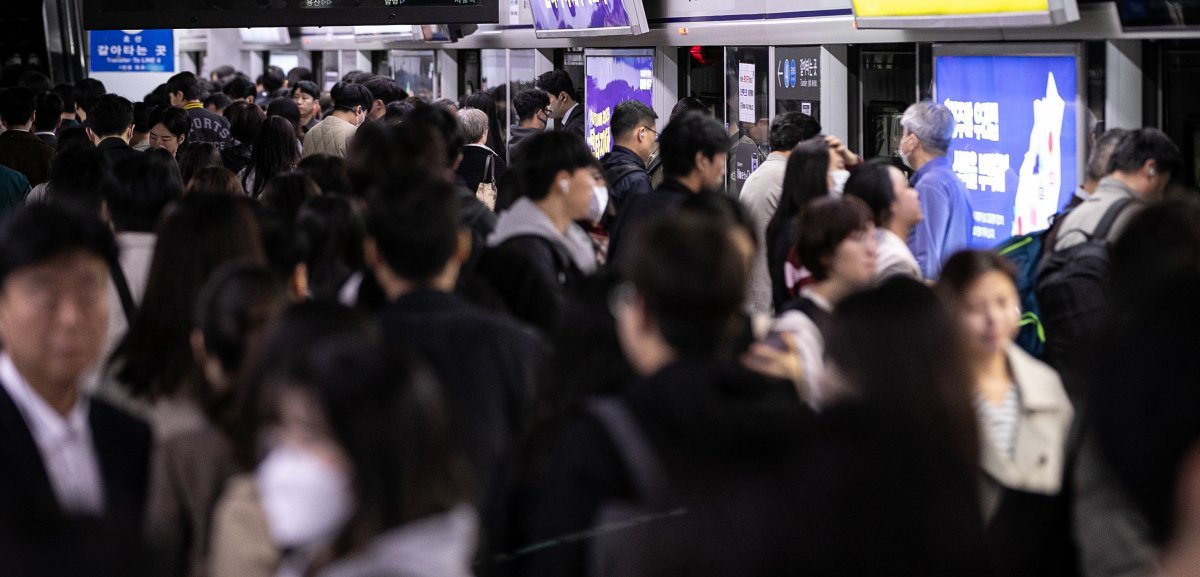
(578, 14)
(611, 80)
(1015, 138)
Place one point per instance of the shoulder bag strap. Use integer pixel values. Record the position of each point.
(645, 470)
(119, 280)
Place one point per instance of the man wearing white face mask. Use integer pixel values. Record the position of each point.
(332, 135)
(946, 228)
(566, 110)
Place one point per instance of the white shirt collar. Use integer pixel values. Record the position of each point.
(812, 295)
(45, 423)
(568, 114)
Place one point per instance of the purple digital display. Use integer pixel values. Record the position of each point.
(612, 80)
(578, 14)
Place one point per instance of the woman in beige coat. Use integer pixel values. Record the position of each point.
(1050, 506)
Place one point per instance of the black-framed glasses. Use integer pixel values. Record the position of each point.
(654, 131)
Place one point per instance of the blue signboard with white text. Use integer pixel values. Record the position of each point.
(1015, 142)
(131, 50)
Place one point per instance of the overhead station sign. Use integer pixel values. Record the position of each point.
(131, 50)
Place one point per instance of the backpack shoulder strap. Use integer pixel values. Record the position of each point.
(645, 470)
(1110, 217)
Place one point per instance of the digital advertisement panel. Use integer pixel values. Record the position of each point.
(578, 14)
(611, 80)
(1015, 138)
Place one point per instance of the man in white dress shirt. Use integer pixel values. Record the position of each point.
(72, 468)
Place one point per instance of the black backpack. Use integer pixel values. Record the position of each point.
(1072, 289)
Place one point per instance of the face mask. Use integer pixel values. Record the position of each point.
(598, 204)
(839, 178)
(306, 499)
(903, 155)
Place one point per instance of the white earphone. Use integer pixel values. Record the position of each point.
(562, 185)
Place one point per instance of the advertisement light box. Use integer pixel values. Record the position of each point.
(1016, 137)
(614, 76)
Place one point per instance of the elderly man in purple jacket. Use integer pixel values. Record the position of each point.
(946, 228)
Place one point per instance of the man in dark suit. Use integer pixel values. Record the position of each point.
(487, 362)
(110, 126)
(566, 109)
(48, 118)
(73, 468)
(20, 150)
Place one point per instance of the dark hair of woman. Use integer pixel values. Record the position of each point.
(286, 109)
(872, 183)
(232, 310)
(335, 238)
(245, 119)
(286, 193)
(386, 412)
(215, 179)
(328, 171)
(805, 179)
(275, 151)
(823, 226)
(202, 232)
(965, 267)
(485, 102)
(899, 347)
(196, 156)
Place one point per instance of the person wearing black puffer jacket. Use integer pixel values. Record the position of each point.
(633, 137)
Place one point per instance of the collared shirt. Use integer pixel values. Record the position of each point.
(561, 124)
(946, 228)
(65, 443)
(810, 346)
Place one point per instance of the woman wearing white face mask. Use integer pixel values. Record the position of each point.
(557, 173)
(355, 472)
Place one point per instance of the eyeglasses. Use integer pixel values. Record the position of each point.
(652, 130)
(549, 111)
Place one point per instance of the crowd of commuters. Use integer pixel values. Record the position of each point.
(251, 328)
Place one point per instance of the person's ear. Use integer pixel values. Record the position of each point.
(91, 134)
(33, 117)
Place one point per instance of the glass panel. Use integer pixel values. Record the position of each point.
(520, 78)
(747, 112)
(416, 72)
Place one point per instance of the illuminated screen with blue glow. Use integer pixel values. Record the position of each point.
(1014, 144)
(578, 14)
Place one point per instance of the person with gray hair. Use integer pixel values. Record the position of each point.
(925, 141)
(479, 162)
(1097, 165)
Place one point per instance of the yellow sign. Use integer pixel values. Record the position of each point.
(885, 8)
